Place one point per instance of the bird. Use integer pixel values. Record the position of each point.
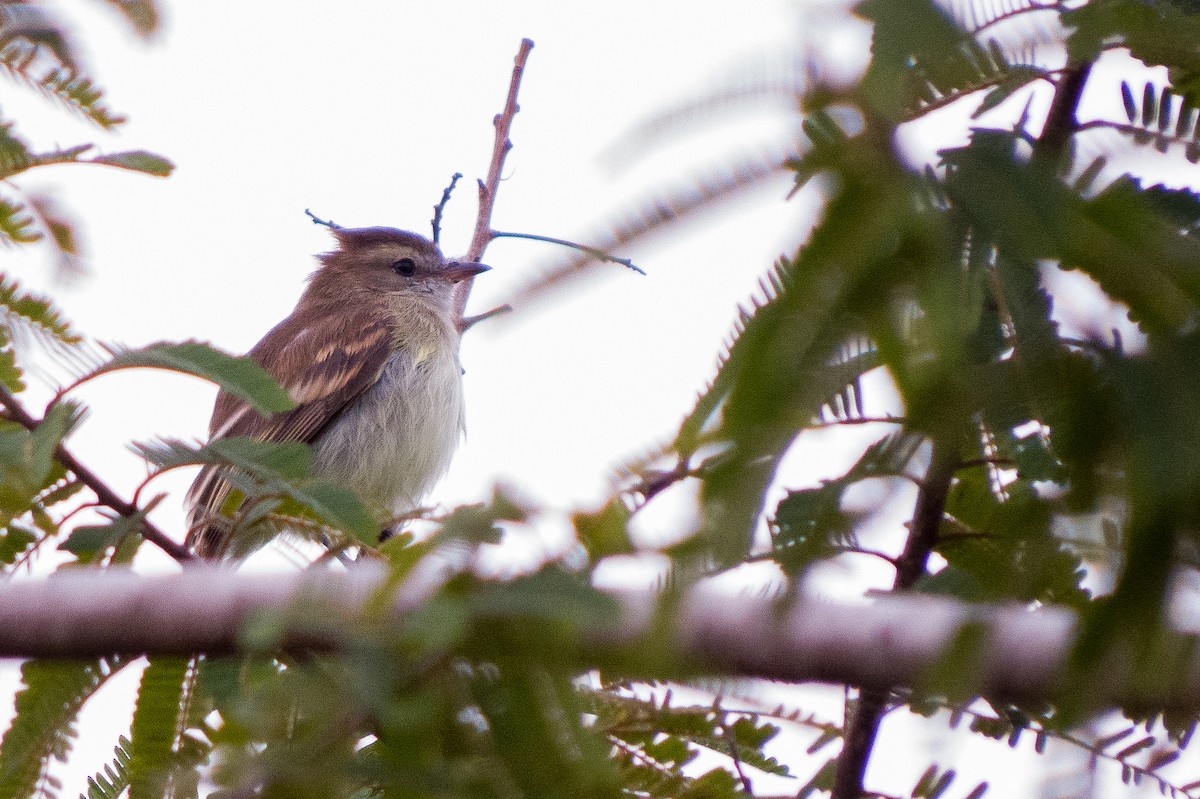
(370, 357)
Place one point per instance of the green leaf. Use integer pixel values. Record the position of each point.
(15, 539)
(154, 732)
(239, 376)
(1130, 103)
(334, 506)
(87, 541)
(143, 15)
(36, 310)
(606, 531)
(16, 225)
(138, 161)
(1016, 79)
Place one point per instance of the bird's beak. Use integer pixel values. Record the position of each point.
(462, 270)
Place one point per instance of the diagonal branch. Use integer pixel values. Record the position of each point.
(105, 494)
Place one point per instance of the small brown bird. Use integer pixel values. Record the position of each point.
(370, 357)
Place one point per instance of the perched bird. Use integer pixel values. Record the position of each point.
(370, 357)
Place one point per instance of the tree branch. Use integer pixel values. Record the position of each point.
(893, 641)
(107, 496)
(487, 189)
(922, 538)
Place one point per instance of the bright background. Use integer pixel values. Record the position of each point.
(361, 110)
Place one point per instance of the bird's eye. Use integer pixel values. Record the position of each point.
(405, 266)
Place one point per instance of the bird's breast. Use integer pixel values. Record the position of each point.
(394, 443)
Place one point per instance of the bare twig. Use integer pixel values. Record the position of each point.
(107, 496)
(600, 255)
(325, 222)
(487, 189)
(441, 207)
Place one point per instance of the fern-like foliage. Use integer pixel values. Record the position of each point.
(1159, 117)
(42, 69)
(43, 728)
(114, 779)
(156, 734)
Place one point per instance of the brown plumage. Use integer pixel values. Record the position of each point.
(382, 303)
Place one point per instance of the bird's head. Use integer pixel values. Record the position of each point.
(388, 261)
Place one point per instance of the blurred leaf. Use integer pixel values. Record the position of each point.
(238, 376)
(606, 531)
(288, 460)
(137, 161)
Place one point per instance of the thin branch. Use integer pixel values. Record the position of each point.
(824, 425)
(438, 209)
(927, 107)
(910, 566)
(731, 739)
(599, 255)
(467, 322)
(487, 189)
(1016, 12)
(1091, 747)
(107, 496)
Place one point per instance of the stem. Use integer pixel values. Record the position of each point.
(107, 496)
(923, 536)
(1061, 121)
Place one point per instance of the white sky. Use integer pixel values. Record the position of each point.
(361, 111)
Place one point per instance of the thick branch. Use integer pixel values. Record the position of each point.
(106, 495)
(890, 642)
(487, 189)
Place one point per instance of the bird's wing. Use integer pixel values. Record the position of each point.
(325, 361)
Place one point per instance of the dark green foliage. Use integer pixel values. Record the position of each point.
(44, 726)
(162, 757)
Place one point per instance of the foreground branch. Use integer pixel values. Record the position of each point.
(895, 641)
